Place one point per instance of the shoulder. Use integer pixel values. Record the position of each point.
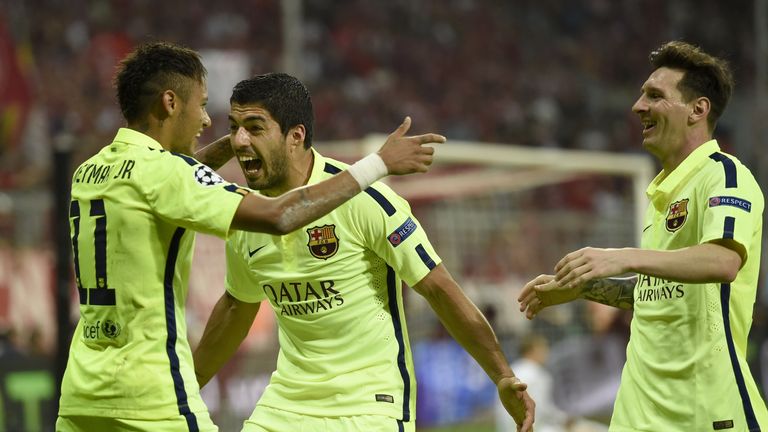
(377, 197)
(183, 167)
(727, 169)
(724, 177)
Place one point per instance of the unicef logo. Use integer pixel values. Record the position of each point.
(110, 329)
(206, 177)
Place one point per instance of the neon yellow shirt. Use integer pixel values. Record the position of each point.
(133, 214)
(335, 287)
(686, 366)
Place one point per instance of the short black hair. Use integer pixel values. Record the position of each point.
(284, 96)
(704, 75)
(151, 69)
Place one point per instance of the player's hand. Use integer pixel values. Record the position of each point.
(517, 402)
(589, 263)
(407, 154)
(544, 291)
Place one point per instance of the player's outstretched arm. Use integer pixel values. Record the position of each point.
(545, 290)
(588, 273)
(399, 155)
(471, 330)
(717, 261)
(216, 154)
(226, 328)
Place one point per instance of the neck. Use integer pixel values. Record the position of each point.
(300, 163)
(688, 146)
(154, 129)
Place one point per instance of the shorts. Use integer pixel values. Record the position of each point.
(173, 424)
(267, 419)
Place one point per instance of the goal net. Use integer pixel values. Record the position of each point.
(499, 215)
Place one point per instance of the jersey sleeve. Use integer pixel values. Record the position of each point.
(734, 205)
(394, 234)
(240, 281)
(191, 195)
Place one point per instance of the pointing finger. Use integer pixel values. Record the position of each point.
(430, 138)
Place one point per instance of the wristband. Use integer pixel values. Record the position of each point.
(368, 170)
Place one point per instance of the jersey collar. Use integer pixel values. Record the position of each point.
(134, 137)
(666, 183)
(318, 167)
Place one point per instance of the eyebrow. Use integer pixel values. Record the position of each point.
(651, 87)
(249, 118)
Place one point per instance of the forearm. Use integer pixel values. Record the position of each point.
(301, 206)
(294, 208)
(465, 323)
(223, 333)
(216, 154)
(704, 263)
(617, 292)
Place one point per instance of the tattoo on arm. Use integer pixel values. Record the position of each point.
(617, 292)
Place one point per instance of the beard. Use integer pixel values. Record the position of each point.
(274, 173)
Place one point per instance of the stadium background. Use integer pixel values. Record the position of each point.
(558, 76)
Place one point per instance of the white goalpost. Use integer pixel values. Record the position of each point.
(500, 214)
(508, 167)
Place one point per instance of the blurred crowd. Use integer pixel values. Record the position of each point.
(532, 72)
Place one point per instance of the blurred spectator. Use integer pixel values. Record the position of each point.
(532, 368)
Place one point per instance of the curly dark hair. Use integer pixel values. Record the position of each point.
(151, 69)
(704, 75)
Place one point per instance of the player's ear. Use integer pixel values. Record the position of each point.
(163, 107)
(700, 111)
(296, 137)
(169, 102)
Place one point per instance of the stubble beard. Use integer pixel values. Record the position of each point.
(276, 176)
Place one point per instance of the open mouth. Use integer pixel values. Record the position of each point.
(251, 164)
(648, 126)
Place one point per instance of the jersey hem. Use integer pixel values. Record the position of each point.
(359, 410)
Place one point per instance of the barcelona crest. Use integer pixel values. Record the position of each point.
(323, 242)
(678, 213)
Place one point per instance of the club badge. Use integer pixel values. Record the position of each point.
(677, 215)
(323, 242)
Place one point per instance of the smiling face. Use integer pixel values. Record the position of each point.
(191, 120)
(664, 114)
(260, 147)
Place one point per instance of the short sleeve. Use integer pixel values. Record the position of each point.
(733, 205)
(396, 235)
(189, 194)
(240, 280)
